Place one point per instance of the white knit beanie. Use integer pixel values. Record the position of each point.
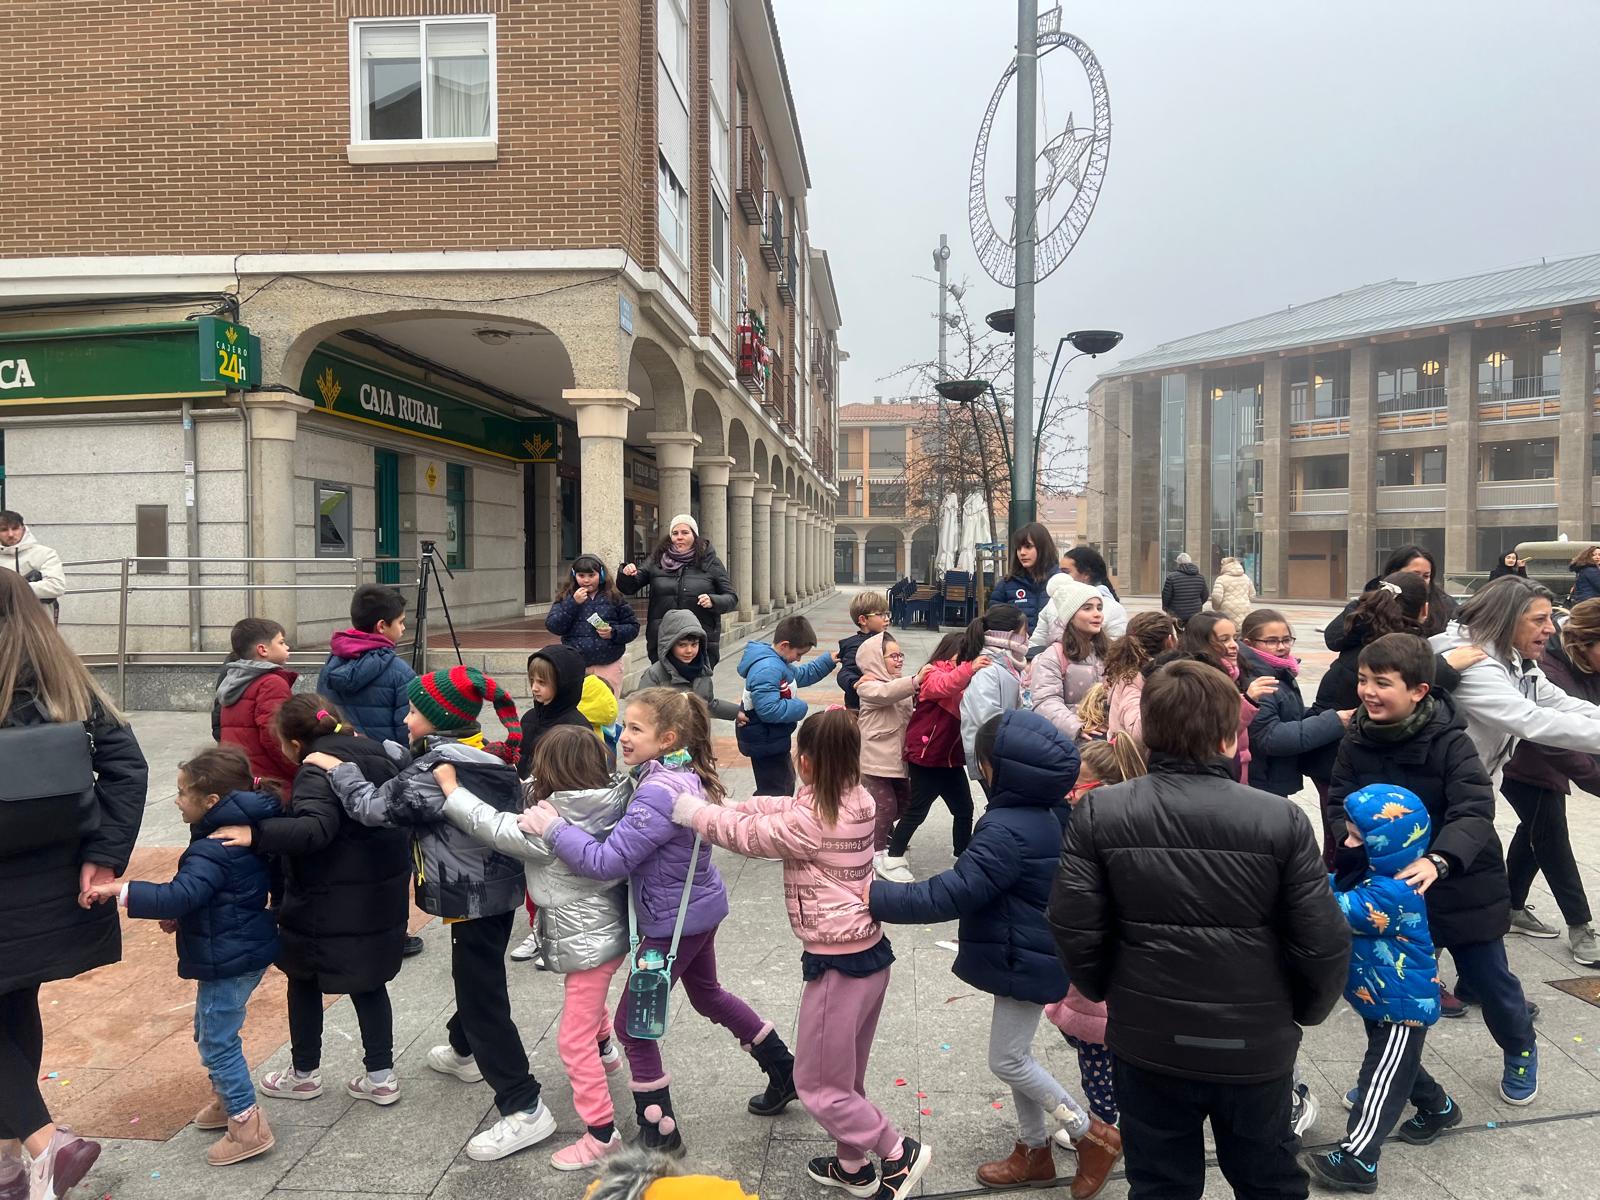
(684, 519)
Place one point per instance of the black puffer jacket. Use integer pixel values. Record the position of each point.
(562, 709)
(1185, 592)
(1199, 911)
(347, 894)
(44, 935)
(1473, 902)
(1337, 633)
(682, 589)
(1282, 731)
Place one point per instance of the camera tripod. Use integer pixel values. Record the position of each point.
(428, 567)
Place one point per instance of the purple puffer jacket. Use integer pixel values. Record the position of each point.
(653, 854)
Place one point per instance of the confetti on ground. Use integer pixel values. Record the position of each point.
(944, 1045)
(133, 1121)
(1492, 1125)
(1577, 1039)
(996, 1104)
(53, 1075)
(899, 1083)
(927, 1112)
(155, 1174)
(922, 1095)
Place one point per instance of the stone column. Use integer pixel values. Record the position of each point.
(1574, 470)
(602, 425)
(791, 552)
(808, 553)
(1197, 472)
(780, 558)
(1276, 475)
(674, 460)
(1461, 457)
(741, 491)
(274, 423)
(761, 534)
(1361, 556)
(861, 561)
(905, 554)
(713, 471)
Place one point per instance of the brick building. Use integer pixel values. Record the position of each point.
(525, 279)
(1314, 441)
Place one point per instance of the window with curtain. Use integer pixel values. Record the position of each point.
(425, 79)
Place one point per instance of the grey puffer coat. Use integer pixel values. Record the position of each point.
(582, 922)
(457, 877)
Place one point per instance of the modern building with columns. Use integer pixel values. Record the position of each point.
(521, 280)
(1312, 442)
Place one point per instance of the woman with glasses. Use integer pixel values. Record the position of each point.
(1281, 731)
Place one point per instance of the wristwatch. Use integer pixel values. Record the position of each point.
(1440, 864)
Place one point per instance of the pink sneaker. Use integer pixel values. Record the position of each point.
(364, 1087)
(62, 1166)
(584, 1153)
(286, 1085)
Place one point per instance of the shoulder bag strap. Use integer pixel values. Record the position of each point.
(683, 904)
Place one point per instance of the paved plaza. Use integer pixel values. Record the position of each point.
(121, 1064)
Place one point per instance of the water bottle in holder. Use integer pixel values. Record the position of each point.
(649, 974)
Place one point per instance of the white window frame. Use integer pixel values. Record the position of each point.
(677, 256)
(721, 311)
(358, 23)
(678, 63)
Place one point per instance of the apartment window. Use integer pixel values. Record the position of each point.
(672, 131)
(672, 212)
(888, 449)
(455, 515)
(1325, 471)
(672, 41)
(1402, 468)
(1519, 460)
(719, 257)
(887, 500)
(1432, 465)
(721, 103)
(428, 79)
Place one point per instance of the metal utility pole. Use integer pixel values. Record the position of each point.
(1023, 506)
(941, 259)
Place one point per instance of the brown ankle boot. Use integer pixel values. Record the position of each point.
(1026, 1167)
(213, 1116)
(1098, 1152)
(244, 1139)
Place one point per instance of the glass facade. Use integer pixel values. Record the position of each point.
(1236, 414)
(1174, 485)
(1387, 541)
(1402, 468)
(1493, 543)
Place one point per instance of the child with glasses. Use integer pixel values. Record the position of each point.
(1281, 730)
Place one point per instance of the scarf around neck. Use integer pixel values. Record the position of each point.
(1008, 649)
(1290, 664)
(1394, 732)
(674, 562)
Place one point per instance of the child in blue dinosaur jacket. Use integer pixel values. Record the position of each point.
(773, 674)
(227, 938)
(1393, 985)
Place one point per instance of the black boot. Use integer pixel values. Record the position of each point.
(658, 1128)
(773, 1057)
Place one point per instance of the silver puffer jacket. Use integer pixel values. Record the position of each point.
(582, 922)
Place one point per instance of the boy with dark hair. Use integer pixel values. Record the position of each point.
(253, 686)
(771, 680)
(1407, 735)
(870, 612)
(363, 675)
(1205, 1025)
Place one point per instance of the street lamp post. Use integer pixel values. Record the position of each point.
(1023, 503)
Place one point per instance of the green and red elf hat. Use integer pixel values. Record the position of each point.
(453, 699)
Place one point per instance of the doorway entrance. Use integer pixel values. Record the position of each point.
(386, 491)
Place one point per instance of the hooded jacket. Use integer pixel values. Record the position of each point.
(1394, 976)
(885, 711)
(1549, 768)
(1183, 593)
(1507, 700)
(1281, 732)
(652, 854)
(347, 887)
(457, 877)
(570, 622)
(563, 707)
(994, 690)
(1170, 874)
(249, 695)
(218, 897)
(1472, 903)
(770, 697)
(583, 923)
(1233, 592)
(28, 556)
(1026, 592)
(682, 589)
(1000, 884)
(849, 673)
(825, 868)
(1059, 685)
(696, 677)
(367, 680)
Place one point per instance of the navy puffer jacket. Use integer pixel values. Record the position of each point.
(1000, 885)
(1028, 594)
(367, 680)
(570, 622)
(218, 897)
(1281, 730)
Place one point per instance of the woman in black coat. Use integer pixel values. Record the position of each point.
(342, 923)
(1418, 561)
(47, 931)
(682, 572)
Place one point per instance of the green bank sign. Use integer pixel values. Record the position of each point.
(359, 391)
(128, 362)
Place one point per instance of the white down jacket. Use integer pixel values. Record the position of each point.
(582, 922)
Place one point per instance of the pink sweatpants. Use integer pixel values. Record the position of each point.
(838, 1018)
(584, 1023)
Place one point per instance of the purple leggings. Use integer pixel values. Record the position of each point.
(696, 967)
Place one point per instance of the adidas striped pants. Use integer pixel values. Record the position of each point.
(1392, 1076)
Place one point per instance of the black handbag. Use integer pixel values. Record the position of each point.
(47, 795)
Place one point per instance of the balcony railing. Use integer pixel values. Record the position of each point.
(1421, 409)
(1322, 427)
(789, 279)
(850, 462)
(751, 192)
(1527, 409)
(772, 234)
(1304, 411)
(1411, 498)
(1309, 501)
(1517, 494)
(1523, 387)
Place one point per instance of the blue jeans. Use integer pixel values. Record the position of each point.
(218, 1016)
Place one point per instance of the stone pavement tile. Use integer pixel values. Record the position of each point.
(520, 1177)
(177, 1169)
(405, 1148)
(1554, 1160)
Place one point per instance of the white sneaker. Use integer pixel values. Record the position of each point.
(1302, 1110)
(447, 1062)
(528, 948)
(287, 1085)
(364, 1087)
(510, 1134)
(895, 870)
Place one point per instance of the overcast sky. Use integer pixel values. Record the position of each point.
(1264, 152)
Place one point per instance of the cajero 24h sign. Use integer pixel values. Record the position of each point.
(229, 353)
